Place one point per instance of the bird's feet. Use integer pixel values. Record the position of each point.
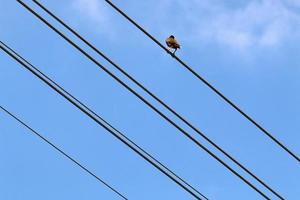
(172, 53)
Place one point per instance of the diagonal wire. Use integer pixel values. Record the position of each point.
(280, 144)
(62, 152)
(146, 102)
(100, 121)
(156, 98)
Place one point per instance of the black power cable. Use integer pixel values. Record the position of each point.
(100, 121)
(62, 152)
(207, 83)
(156, 98)
(145, 101)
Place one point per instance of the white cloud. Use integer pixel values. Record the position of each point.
(240, 26)
(265, 23)
(95, 14)
(254, 24)
(91, 9)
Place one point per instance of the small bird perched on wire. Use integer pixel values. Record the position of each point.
(172, 43)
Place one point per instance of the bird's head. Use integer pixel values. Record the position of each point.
(172, 36)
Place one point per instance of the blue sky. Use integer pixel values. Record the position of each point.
(248, 50)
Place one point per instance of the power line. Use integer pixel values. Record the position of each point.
(100, 121)
(207, 83)
(141, 98)
(156, 98)
(146, 102)
(62, 152)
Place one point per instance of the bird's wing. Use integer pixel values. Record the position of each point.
(176, 44)
(169, 40)
(172, 42)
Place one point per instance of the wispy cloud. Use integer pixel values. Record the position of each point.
(265, 23)
(239, 26)
(96, 13)
(258, 23)
(91, 9)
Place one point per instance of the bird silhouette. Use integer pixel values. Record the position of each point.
(172, 43)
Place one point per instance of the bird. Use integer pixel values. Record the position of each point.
(172, 43)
